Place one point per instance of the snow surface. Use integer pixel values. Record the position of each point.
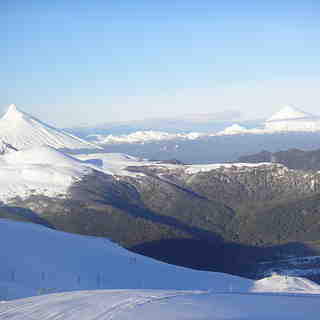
(280, 283)
(39, 170)
(114, 163)
(37, 260)
(196, 168)
(22, 130)
(159, 305)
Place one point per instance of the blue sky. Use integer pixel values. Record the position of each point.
(76, 61)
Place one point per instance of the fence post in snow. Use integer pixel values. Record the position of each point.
(13, 275)
(98, 280)
(4, 292)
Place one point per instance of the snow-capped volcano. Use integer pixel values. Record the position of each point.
(290, 113)
(22, 130)
(292, 119)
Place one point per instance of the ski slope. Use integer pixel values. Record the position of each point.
(71, 277)
(37, 260)
(159, 305)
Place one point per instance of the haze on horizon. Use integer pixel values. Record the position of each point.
(72, 62)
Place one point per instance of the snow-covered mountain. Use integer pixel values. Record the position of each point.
(38, 170)
(292, 119)
(22, 130)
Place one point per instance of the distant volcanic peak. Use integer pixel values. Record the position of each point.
(234, 128)
(12, 108)
(291, 113)
(12, 113)
(22, 130)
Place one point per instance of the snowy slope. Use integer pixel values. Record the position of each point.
(159, 305)
(39, 170)
(46, 171)
(281, 283)
(22, 130)
(115, 163)
(36, 260)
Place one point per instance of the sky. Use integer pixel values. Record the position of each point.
(87, 62)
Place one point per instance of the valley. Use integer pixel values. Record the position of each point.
(257, 218)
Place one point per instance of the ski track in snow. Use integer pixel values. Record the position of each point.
(222, 296)
(125, 304)
(35, 308)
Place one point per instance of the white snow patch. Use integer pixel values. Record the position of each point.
(39, 170)
(37, 260)
(114, 163)
(283, 283)
(193, 169)
(159, 305)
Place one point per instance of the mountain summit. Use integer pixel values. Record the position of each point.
(290, 113)
(292, 119)
(22, 130)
